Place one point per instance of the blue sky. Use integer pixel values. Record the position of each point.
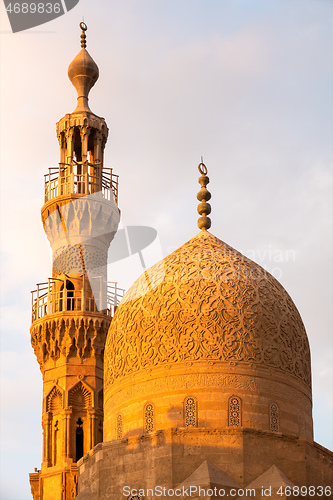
(248, 85)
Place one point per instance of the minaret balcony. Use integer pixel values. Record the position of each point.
(55, 297)
(80, 179)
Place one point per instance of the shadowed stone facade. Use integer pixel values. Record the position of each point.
(167, 458)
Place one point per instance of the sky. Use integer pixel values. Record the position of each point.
(245, 83)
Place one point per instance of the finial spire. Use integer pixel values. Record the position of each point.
(203, 196)
(84, 28)
(83, 73)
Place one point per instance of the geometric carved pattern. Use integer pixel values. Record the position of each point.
(190, 405)
(79, 397)
(274, 417)
(72, 337)
(54, 400)
(68, 259)
(206, 302)
(91, 216)
(149, 417)
(209, 380)
(119, 430)
(235, 412)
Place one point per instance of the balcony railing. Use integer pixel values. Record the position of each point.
(46, 299)
(70, 179)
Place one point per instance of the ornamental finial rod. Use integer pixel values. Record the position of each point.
(84, 28)
(203, 196)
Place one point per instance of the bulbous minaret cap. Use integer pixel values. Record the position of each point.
(83, 73)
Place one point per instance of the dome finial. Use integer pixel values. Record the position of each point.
(203, 196)
(84, 28)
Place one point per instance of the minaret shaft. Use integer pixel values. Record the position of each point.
(72, 311)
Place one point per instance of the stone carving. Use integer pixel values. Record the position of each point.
(149, 417)
(190, 407)
(79, 397)
(69, 337)
(54, 401)
(72, 485)
(235, 412)
(274, 417)
(206, 302)
(90, 217)
(188, 381)
(68, 259)
(119, 427)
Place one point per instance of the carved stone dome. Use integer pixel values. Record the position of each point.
(207, 317)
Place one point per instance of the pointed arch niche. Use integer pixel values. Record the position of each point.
(80, 400)
(52, 426)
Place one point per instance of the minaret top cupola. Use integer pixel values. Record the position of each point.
(83, 73)
(82, 134)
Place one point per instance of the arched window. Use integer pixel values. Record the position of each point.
(70, 295)
(79, 440)
(119, 428)
(149, 417)
(69, 304)
(190, 412)
(235, 411)
(274, 417)
(77, 143)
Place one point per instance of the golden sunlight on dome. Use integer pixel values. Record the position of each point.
(206, 317)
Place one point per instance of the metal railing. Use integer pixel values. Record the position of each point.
(70, 179)
(46, 299)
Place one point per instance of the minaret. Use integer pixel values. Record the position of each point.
(72, 311)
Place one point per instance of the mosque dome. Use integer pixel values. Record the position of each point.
(208, 323)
